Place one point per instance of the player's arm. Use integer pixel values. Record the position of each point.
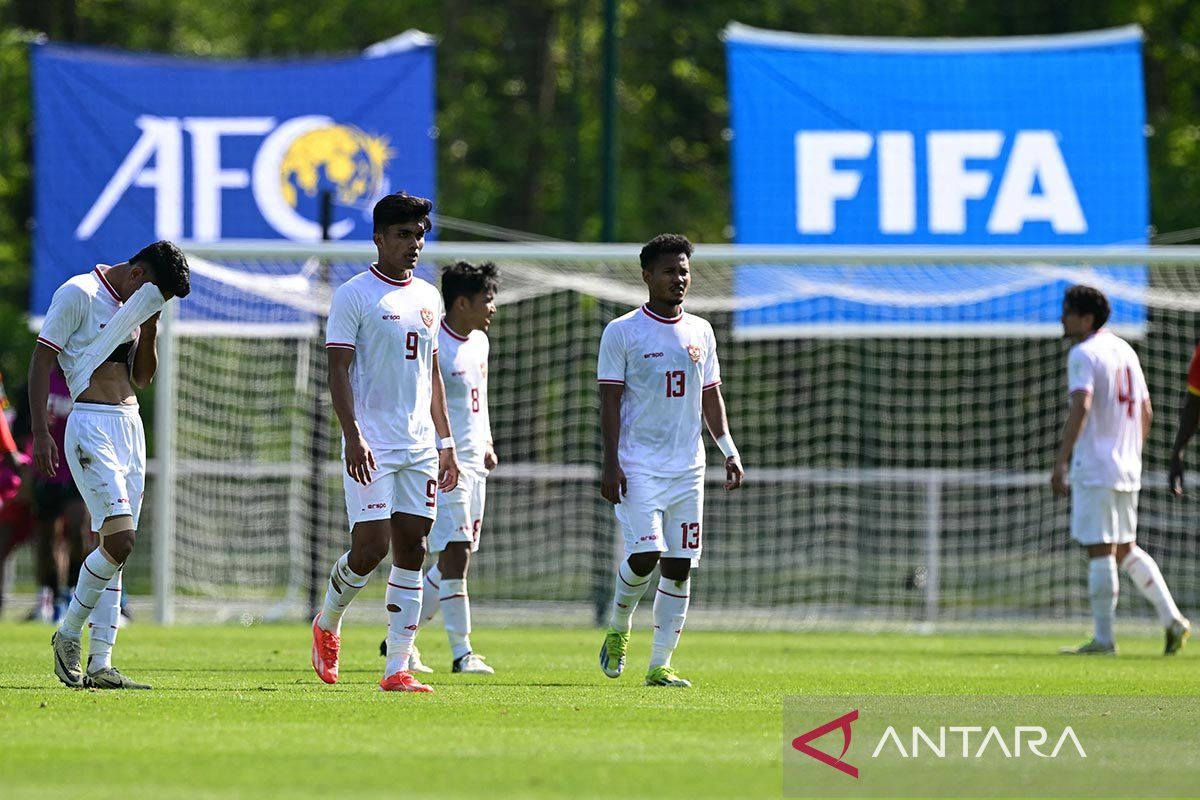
(45, 451)
(612, 477)
(1147, 418)
(1189, 420)
(447, 460)
(8, 445)
(359, 458)
(712, 406)
(1081, 405)
(490, 459)
(145, 353)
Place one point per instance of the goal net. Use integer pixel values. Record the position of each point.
(897, 413)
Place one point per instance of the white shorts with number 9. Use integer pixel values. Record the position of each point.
(660, 514)
(404, 483)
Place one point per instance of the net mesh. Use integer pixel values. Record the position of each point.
(893, 476)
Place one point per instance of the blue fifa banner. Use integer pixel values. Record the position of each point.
(131, 148)
(1008, 142)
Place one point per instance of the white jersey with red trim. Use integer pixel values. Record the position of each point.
(391, 327)
(464, 364)
(78, 312)
(1109, 450)
(664, 364)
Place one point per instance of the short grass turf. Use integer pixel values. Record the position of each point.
(238, 712)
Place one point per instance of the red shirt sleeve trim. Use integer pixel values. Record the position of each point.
(342, 345)
(617, 383)
(711, 385)
(1080, 391)
(50, 344)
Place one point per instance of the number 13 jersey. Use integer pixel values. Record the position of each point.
(664, 364)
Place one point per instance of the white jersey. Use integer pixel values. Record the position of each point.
(390, 326)
(78, 312)
(1109, 451)
(464, 364)
(664, 365)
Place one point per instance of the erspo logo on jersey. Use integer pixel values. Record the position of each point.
(293, 158)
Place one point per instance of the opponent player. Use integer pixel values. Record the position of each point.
(658, 377)
(391, 403)
(1102, 440)
(105, 443)
(469, 294)
(1189, 420)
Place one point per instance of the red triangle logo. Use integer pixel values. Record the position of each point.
(801, 743)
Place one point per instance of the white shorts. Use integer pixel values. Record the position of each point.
(106, 449)
(662, 515)
(404, 483)
(459, 513)
(1100, 515)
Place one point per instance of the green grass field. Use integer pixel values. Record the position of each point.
(237, 712)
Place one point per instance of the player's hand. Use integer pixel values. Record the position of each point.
(1175, 475)
(45, 453)
(489, 459)
(1059, 482)
(359, 460)
(612, 483)
(447, 470)
(734, 474)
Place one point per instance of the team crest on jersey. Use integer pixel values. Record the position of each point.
(694, 352)
(427, 317)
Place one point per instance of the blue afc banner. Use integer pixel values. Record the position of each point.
(134, 148)
(1021, 141)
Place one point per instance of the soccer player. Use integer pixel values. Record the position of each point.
(390, 400)
(469, 294)
(1189, 420)
(659, 377)
(1102, 440)
(113, 309)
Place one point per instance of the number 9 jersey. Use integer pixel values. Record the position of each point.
(664, 364)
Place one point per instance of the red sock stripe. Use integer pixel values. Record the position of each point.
(680, 596)
(632, 585)
(451, 597)
(407, 588)
(94, 575)
(431, 583)
(85, 605)
(110, 589)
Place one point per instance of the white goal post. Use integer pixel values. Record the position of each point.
(897, 410)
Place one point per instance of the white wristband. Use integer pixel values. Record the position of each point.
(446, 444)
(727, 447)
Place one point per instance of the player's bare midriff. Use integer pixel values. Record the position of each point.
(109, 386)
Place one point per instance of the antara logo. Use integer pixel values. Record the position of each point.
(1035, 184)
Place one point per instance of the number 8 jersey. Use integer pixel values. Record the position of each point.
(665, 364)
(1109, 451)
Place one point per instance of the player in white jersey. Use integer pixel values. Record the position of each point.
(390, 400)
(659, 377)
(106, 317)
(1099, 465)
(469, 294)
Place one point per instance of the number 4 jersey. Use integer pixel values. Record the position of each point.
(665, 364)
(1109, 450)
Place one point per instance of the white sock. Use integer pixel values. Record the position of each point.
(102, 626)
(433, 587)
(670, 611)
(1144, 573)
(93, 578)
(1103, 589)
(457, 615)
(403, 600)
(629, 590)
(344, 586)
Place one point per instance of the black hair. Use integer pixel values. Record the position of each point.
(665, 244)
(400, 208)
(167, 266)
(1081, 300)
(464, 279)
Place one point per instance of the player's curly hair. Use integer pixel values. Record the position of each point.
(1081, 299)
(464, 279)
(399, 208)
(665, 244)
(167, 266)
